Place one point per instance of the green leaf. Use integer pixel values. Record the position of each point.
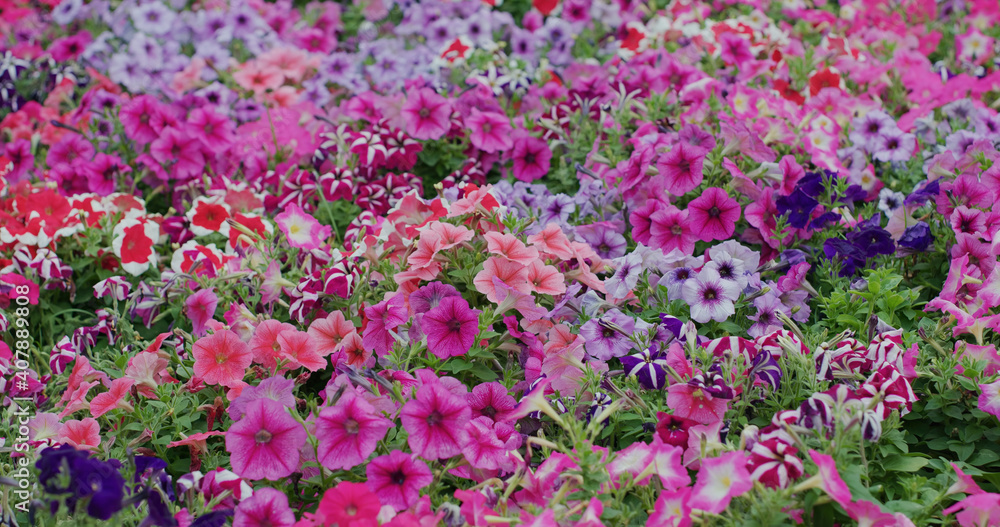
(907, 463)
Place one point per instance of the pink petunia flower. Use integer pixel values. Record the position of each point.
(490, 444)
(383, 318)
(513, 274)
(298, 348)
(545, 279)
(673, 509)
(112, 399)
(720, 479)
(348, 432)
(398, 478)
(264, 343)
(267, 507)
(489, 131)
(180, 152)
(329, 332)
(989, 399)
(301, 229)
(695, 403)
(221, 358)
(829, 479)
(491, 400)
(426, 114)
(265, 443)
(532, 158)
(200, 308)
(713, 215)
(349, 504)
(451, 327)
(84, 434)
(681, 168)
(436, 420)
(670, 229)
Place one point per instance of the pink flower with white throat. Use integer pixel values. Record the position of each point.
(721, 479)
(301, 229)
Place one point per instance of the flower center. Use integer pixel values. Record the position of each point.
(352, 427)
(263, 437)
(434, 418)
(714, 212)
(398, 477)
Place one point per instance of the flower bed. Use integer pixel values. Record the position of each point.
(578, 262)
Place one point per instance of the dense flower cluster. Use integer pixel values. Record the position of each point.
(547, 263)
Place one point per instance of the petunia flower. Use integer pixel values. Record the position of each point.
(492, 400)
(489, 131)
(300, 350)
(451, 327)
(264, 343)
(382, 319)
(267, 507)
(134, 244)
(328, 333)
(221, 358)
(989, 399)
(532, 157)
(696, 403)
(348, 504)
(670, 229)
(710, 297)
(511, 248)
(265, 443)
(348, 432)
(720, 479)
(426, 114)
(84, 434)
(181, 152)
(301, 229)
(681, 168)
(490, 444)
(398, 478)
(112, 399)
(673, 509)
(713, 215)
(200, 308)
(435, 420)
(513, 274)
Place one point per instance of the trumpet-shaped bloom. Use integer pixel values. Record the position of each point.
(200, 308)
(349, 432)
(710, 297)
(383, 318)
(426, 114)
(489, 131)
(267, 507)
(301, 229)
(436, 420)
(720, 479)
(221, 358)
(681, 168)
(397, 479)
(451, 327)
(713, 215)
(265, 443)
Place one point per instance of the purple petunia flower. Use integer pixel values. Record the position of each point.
(606, 337)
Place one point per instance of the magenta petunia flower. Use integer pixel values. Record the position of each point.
(436, 420)
(382, 318)
(137, 117)
(713, 215)
(492, 400)
(200, 308)
(398, 478)
(681, 168)
(451, 327)
(670, 229)
(214, 131)
(265, 443)
(221, 358)
(489, 131)
(348, 432)
(267, 507)
(532, 158)
(179, 151)
(490, 444)
(426, 114)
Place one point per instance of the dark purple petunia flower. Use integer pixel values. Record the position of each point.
(872, 241)
(798, 206)
(926, 192)
(917, 237)
(648, 367)
(89, 479)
